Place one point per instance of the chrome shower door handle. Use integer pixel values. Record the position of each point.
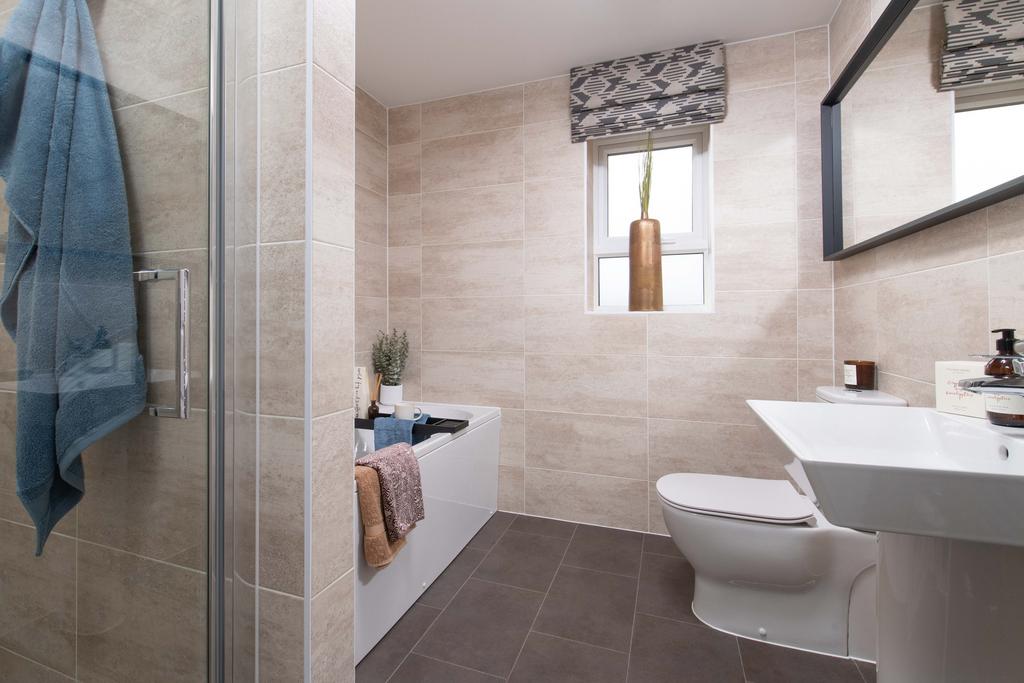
(181, 277)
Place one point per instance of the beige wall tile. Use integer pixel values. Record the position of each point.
(808, 184)
(283, 34)
(158, 608)
(761, 62)
(815, 324)
(282, 155)
(556, 207)
(716, 389)
(760, 123)
(404, 168)
(167, 184)
(371, 163)
(857, 269)
(950, 307)
(280, 637)
(656, 512)
(332, 548)
(587, 498)
(371, 116)
(333, 328)
(282, 330)
(856, 322)
(809, 95)
(916, 394)
(246, 326)
(513, 437)
(773, 246)
(473, 113)
(813, 374)
(511, 488)
(550, 153)
(38, 616)
(245, 489)
(1006, 291)
(962, 239)
(485, 379)
(547, 100)
(847, 29)
(494, 323)
(281, 522)
(403, 226)
(709, 448)
(412, 377)
(605, 385)
(371, 269)
(1006, 226)
(404, 124)
(404, 271)
(371, 217)
(332, 614)
(811, 53)
(744, 324)
(761, 190)
(371, 316)
(404, 314)
(555, 265)
(152, 505)
(474, 160)
(485, 269)
(592, 444)
(814, 272)
(480, 214)
(334, 39)
(556, 324)
(337, 164)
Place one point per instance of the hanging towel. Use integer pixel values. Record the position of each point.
(68, 299)
(400, 489)
(387, 431)
(377, 549)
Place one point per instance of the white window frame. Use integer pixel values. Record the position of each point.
(698, 241)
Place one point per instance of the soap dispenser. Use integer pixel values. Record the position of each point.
(1006, 410)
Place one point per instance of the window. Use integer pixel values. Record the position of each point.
(988, 135)
(679, 188)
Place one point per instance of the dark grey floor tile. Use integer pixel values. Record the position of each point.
(383, 659)
(451, 579)
(666, 588)
(671, 651)
(607, 550)
(419, 669)
(523, 560)
(591, 607)
(663, 545)
(543, 526)
(546, 659)
(764, 663)
(492, 531)
(867, 671)
(483, 627)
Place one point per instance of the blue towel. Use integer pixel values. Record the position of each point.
(387, 431)
(68, 298)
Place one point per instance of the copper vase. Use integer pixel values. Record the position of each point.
(645, 291)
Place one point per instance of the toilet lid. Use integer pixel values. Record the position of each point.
(763, 500)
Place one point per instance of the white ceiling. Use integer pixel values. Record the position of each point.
(417, 50)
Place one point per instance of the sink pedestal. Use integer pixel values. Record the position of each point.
(949, 611)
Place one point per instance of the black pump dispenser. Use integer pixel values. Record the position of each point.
(1005, 344)
(1003, 409)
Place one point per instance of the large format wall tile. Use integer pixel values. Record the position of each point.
(404, 221)
(282, 331)
(761, 62)
(371, 116)
(404, 124)
(474, 378)
(337, 164)
(334, 39)
(547, 100)
(139, 619)
(280, 637)
(603, 385)
(474, 113)
(404, 168)
(475, 324)
(332, 612)
(473, 160)
(17, 668)
(485, 269)
(332, 328)
(773, 246)
(730, 449)
(332, 499)
(592, 444)
(480, 214)
(282, 155)
(282, 25)
(556, 207)
(555, 324)
(281, 524)
(587, 498)
(550, 153)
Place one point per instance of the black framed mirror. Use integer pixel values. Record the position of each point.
(925, 123)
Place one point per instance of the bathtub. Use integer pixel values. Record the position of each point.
(460, 493)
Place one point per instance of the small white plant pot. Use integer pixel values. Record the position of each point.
(390, 395)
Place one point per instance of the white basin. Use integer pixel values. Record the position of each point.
(906, 470)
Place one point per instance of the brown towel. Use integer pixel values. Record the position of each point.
(400, 489)
(377, 549)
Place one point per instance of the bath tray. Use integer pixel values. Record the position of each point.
(420, 432)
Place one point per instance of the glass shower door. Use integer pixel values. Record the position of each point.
(120, 589)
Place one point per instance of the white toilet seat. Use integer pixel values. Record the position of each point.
(770, 501)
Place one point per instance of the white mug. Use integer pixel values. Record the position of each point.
(407, 411)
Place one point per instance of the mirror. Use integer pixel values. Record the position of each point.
(926, 123)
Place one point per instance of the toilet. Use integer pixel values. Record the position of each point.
(768, 566)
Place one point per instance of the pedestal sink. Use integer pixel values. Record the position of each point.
(946, 495)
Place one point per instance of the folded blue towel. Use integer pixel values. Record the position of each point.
(68, 296)
(387, 431)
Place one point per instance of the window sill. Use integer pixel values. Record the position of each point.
(676, 310)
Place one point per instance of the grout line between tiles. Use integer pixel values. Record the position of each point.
(40, 664)
(636, 597)
(459, 666)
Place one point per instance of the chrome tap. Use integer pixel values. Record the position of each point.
(997, 385)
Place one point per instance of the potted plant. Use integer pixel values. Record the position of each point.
(390, 353)
(645, 287)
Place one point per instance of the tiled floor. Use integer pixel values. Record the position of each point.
(536, 600)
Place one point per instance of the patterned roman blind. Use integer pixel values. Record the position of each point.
(664, 89)
(984, 43)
